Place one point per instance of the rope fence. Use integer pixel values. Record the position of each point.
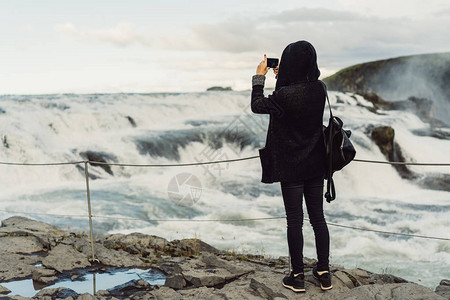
(232, 220)
(93, 163)
(209, 163)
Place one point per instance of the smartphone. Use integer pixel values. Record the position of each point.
(272, 62)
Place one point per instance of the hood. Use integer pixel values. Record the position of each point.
(298, 63)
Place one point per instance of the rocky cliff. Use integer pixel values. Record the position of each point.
(193, 269)
(423, 76)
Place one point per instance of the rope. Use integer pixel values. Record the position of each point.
(389, 232)
(42, 164)
(207, 163)
(239, 220)
(401, 163)
(43, 214)
(176, 165)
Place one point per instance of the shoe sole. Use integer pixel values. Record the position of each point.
(293, 288)
(326, 288)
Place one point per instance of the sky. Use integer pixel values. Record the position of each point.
(110, 46)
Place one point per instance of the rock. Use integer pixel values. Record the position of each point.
(214, 261)
(44, 276)
(422, 107)
(376, 100)
(344, 278)
(175, 282)
(55, 293)
(439, 182)
(207, 276)
(443, 289)
(166, 293)
(385, 278)
(425, 75)
(264, 291)
(383, 136)
(438, 133)
(65, 258)
(413, 291)
(101, 157)
(402, 291)
(170, 268)
(210, 271)
(131, 120)
(31, 225)
(445, 282)
(204, 293)
(361, 276)
(219, 88)
(134, 243)
(86, 296)
(4, 291)
(46, 235)
(102, 293)
(5, 140)
(16, 266)
(109, 257)
(187, 247)
(21, 244)
(132, 287)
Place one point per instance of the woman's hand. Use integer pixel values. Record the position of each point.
(275, 70)
(262, 67)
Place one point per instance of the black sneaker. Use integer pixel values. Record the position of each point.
(295, 283)
(324, 279)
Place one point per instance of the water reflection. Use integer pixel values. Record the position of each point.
(90, 283)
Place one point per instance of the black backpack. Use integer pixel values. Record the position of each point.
(339, 150)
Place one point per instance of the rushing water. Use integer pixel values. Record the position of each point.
(195, 127)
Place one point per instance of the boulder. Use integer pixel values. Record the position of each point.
(16, 266)
(175, 282)
(383, 136)
(46, 235)
(134, 243)
(65, 258)
(130, 288)
(100, 157)
(4, 291)
(166, 293)
(443, 289)
(56, 293)
(21, 244)
(264, 291)
(110, 257)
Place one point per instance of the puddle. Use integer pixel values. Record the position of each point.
(90, 282)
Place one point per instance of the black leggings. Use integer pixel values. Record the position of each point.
(292, 197)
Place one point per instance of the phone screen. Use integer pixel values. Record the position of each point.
(272, 62)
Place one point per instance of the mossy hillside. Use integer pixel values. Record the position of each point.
(425, 75)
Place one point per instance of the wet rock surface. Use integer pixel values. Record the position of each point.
(383, 136)
(194, 269)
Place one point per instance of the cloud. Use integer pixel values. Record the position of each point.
(315, 15)
(123, 34)
(341, 37)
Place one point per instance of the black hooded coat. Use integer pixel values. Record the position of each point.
(294, 149)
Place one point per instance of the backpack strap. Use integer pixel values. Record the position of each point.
(330, 194)
(326, 95)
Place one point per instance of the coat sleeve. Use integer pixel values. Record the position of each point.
(261, 104)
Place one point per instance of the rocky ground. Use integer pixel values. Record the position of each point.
(34, 250)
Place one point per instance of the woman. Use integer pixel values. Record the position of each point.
(294, 154)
